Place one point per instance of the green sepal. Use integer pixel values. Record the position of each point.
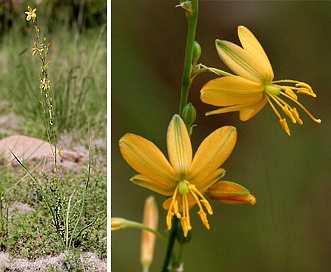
(189, 115)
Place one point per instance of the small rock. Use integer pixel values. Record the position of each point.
(4, 261)
(19, 208)
(32, 149)
(25, 148)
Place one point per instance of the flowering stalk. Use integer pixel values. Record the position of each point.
(46, 101)
(191, 12)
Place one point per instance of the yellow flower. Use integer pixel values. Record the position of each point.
(184, 178)
(45, 84)
(37, 48)
(31, 14)
(253, 85)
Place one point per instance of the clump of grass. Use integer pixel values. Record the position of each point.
(77, 85)
(32, 235)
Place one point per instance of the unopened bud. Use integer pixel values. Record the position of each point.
(189, 115)
(196, 52)
(151, 219)
(118, 224)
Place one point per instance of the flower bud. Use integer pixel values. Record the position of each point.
(118, 224)
(151, 218)
(189, 115)
(196, 52)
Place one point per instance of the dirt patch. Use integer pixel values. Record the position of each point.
(89, 261)
(18, 208)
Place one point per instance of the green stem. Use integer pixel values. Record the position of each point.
(192, 19)
(171, 243)
(133, 224)
(181, 253)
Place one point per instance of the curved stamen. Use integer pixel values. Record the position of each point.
(300, 87)
(287, 109)
(173, 210)
(296, 115)
(272, 105)
(302, 107)
(203, 216)
(282, 121)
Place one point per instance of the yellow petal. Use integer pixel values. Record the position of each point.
(215, 177)
(156, 186)
(230, 193)
(242, 62)
(231, 90)
(179, 146)
(252, 45)
(249, 112)
(212, 152)
(231, 109)
(143, 156)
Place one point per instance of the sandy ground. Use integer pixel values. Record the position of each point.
(90, 262)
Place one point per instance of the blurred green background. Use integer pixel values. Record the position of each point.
(289, 229)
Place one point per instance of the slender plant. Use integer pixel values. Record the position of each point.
(67, 211)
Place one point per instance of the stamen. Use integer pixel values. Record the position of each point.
(203, 216)
(273, 107)
(282, 121)
(169, 217)
(207, 205)
(183, 212)
(302, 107)
(306, 89)
(304, 85)
(173, 210)
(289, 91)
(176, 210)
(288, 112)
(185, 220)
(296, 115)
(287, 81)
(284, 125)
